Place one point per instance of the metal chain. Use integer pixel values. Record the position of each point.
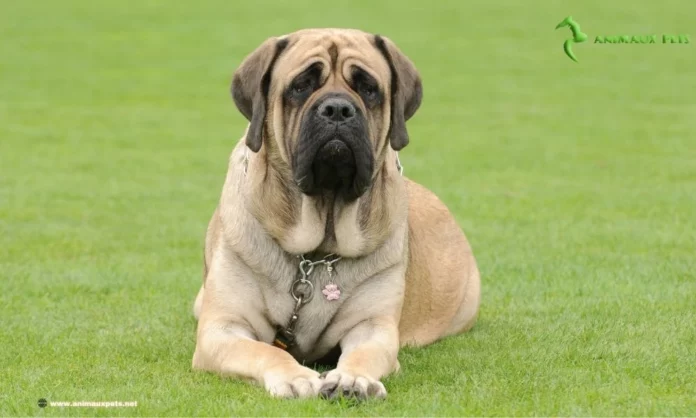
(246, 160)
(306, 268)
(399, 166)
(285, 337)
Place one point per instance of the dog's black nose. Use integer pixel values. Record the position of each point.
(337, 109)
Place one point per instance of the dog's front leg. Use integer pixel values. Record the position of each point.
(369, 352)
(232, 350)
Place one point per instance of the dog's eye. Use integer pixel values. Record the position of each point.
(305, 83)
(301, 86)
(368, 91)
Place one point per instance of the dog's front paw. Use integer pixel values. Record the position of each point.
(300, 382)
(342, 383)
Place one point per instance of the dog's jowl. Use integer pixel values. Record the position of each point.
(319, 245)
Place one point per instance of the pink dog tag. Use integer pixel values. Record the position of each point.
(331, 291)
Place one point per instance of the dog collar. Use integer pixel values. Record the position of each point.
(302, 291)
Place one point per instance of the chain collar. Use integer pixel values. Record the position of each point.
(306, 268)
(302, 290)
(246, 160)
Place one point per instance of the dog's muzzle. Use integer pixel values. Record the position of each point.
(334, 152)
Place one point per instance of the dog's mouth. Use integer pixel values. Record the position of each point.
(338, 166)
(334, 166)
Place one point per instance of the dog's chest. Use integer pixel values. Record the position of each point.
(329, 288)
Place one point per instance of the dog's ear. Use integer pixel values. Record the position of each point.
(406, 90)
(250, 87)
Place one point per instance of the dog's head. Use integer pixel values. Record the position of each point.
(327, 103)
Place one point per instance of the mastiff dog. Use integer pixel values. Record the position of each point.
(319, 246)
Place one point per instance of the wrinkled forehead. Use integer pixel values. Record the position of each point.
(338, 50)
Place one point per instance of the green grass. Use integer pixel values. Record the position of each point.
(575, 183)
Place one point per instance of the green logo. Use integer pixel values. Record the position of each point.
(578, 36)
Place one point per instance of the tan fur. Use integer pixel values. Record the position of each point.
(407, 276)
(442, 279)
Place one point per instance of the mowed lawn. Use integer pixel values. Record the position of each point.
(575, 183)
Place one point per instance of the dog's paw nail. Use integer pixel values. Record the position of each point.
(327, 391)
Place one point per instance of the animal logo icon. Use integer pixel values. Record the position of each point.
(578, 36)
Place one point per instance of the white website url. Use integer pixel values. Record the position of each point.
(87, 404)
